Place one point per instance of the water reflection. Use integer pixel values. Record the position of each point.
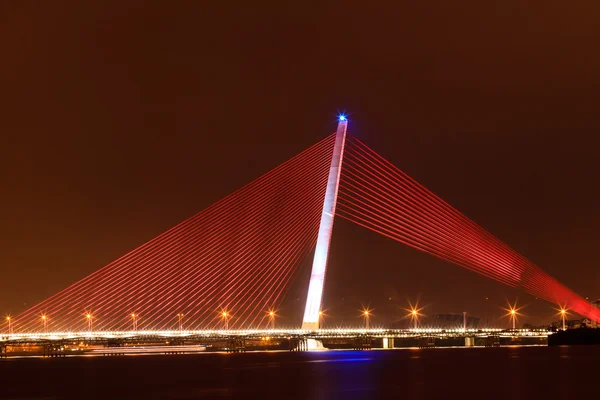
(488, 373)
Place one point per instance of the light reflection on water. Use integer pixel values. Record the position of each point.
(164, 352)
(492, 373)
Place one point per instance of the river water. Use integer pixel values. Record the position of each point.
(438, 373)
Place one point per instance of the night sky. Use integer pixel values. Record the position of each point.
(120, 119)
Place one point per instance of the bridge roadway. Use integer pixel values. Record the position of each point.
(272, 333)
(56, 343)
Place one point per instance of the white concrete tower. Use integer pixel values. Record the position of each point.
(317, 276)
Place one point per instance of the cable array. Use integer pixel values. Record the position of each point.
(230, 265)
(226, 266)
(378, 196)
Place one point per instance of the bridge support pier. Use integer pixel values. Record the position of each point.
(388, 343)
(3, 351)
(298, 344)
(469, 341)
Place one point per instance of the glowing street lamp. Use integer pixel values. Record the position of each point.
(272, 319)
(367, 315)
(88, 316)
(134, 319)
(513, 313)
(321, 316)
(414, 313)
(45, 323)
(180, 319)
(415, 317)
(8, 320)
(226, 316)
(513, 316)
(563, 314)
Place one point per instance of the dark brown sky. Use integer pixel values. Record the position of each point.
(119, 120)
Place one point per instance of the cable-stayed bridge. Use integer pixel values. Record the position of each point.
(228, 267)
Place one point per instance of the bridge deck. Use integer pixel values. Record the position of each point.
(103, 336)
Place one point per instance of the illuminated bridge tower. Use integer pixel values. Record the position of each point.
(317, 276)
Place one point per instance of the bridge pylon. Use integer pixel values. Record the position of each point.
(317, 277)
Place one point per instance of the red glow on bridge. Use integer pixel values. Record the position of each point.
(378, 196)
(229, 265)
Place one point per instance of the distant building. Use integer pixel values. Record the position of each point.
(573, 323)
(580, 323)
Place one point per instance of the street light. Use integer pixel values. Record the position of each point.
(134, 318)
(9, 325)
(89, 320)
(413, 313)
(415, 316)
(321, 316)
(272, 319)
(367, 315)
(225, 316)
(180, 319)
(45, 323)
(563, 314)
(513, 313)
(513, 316)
